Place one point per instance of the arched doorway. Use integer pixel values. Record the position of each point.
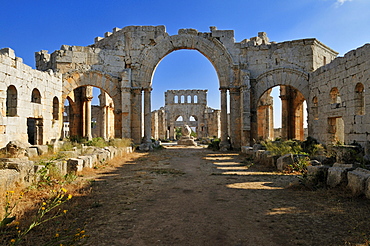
(281, 114)
(184, 83)
(293, 93)
(78, 90)
(222, 62)
(88, 113)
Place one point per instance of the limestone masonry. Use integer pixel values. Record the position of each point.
(121, 64)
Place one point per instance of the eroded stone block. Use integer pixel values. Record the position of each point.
(337, 174)
(284, 161)
(75, 165)
(357, 180)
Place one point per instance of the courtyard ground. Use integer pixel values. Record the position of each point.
(196, 196)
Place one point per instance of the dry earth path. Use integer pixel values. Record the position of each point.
(195, 196)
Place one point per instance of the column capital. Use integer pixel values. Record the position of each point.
(234, 90)
(224, 89)
(147, 89)
(245, 88)
(88, 99)
(136, 90)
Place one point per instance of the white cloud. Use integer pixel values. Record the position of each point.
(340, 2)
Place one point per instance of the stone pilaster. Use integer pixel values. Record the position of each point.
(126, 100)
(136, 128)
(235, 119)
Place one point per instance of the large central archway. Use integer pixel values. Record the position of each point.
(215, 52)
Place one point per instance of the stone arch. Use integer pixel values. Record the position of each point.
(359, 99)
(36, 96)
(55, 108)
(291, 82)
(11, 101)
(75, 79)
(179, 118)
(107, 83)
(211, 48)
(283, 76)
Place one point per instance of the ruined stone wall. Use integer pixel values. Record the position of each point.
(213, 123)
(122, 63)
(338, 103)
(14, 74)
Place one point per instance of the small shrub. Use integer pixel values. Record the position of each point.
(279, 148)
(215, 144)
(120, 142)
(97, 142)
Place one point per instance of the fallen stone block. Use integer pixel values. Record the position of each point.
(87, 161)
(284, 161)
(17, 148)
(357, 180)
(32, 152)
(247, 150)
(337, 174)
(25, 168)
(317, 174)
(61, 166)
(42, 149)
(102, 156)
(69, 154)
(9, 178)
(74, 165)
(367, 188)
(94, 160)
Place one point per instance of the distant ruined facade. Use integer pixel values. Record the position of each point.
(186, 107)
(122, 65)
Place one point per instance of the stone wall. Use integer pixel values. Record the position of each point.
(122, 64)
(17, 84)
(185, 107)
(338, 99)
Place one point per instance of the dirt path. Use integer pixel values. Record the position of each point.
(194, 196)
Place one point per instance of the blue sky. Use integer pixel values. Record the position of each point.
(28, 26)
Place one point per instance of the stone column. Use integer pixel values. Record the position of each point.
(172, 132)
(284, 113)
(147, 142)
(104, 124)
(135, 124)
(88, 117)
(224, 145)
(147, 115)
(235, 126)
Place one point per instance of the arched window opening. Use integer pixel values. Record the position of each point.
(359, 99)
(55, 108)
(182, 99)
(189, 99)
(192, 118)
(315, 110)
(334, 98)
(11, 101)
(179, 118)
(176, 99)
(195, 99)
(36, 96)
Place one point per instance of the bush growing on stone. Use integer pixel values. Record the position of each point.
(279, 148)
(215, 144)
(120, 142)
(97, 142)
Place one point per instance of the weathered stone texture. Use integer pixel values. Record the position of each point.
(122, 64)
(337, 174)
